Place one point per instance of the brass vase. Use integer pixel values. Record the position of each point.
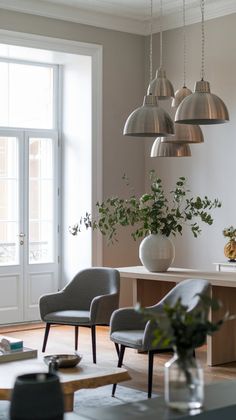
(230, 250)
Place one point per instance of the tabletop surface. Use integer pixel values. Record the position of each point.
(216, 278)
(84, 375)
(220, 403)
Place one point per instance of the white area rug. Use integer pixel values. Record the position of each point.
(96, 397)
(102, 396)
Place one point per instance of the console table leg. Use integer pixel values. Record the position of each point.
(221, 347)
(68, 402)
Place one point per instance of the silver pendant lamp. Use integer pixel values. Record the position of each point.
(202, 107)
(185, 133)
(181, 93)
(161, 86)
(160, 148)
(177, 145)
(149, 120)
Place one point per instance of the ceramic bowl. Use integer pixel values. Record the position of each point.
(64, 360)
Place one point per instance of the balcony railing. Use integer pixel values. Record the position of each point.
(39, 251)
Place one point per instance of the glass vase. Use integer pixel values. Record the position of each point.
(184, 382)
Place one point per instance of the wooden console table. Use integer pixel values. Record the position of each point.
(149, 288)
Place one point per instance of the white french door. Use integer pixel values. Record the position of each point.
(28, 221)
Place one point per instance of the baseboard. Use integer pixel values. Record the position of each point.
(21, 327)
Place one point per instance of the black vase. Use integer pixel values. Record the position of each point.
(37, 396)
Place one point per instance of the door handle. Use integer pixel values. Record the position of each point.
(21, 236)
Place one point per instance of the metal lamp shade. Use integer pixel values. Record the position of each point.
(161, 86)
(149, 120)
(185, 133)
(160, 148)
(202, 107)
(180, 94)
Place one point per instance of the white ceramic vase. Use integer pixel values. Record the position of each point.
(156, 252)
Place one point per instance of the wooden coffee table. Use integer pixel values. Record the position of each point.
(72, 379)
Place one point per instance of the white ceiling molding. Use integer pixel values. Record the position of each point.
(74, 14)
(193, 14)
(138, 25)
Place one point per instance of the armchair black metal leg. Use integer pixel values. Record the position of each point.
(47, 329)
(76, 336)
(120, 361)
(93, 333)
(117, 349)
(150, 372)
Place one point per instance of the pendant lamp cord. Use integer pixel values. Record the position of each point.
(150, 50)
(203, 40)
(184, 41)
(161, 13)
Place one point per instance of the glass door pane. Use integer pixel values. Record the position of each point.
(26, 95)
(9, 201)
(41, 180)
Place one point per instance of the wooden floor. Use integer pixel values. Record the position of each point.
(61, 340)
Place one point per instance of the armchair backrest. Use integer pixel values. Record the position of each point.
(89, 283)
(187, 291)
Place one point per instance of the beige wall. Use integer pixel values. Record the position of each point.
(211, 169)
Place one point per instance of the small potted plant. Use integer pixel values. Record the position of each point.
(154, 218)
(184, 331)
(230, 247)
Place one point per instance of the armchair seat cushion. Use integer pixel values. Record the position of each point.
(129, 338)
(68, 317)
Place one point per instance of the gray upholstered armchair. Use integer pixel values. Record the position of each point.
(129, 328)
(88, 300)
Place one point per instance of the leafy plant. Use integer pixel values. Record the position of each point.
(230, 232)
(151, 213)
(182, 330)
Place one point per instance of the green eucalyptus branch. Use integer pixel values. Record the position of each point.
(150, 213)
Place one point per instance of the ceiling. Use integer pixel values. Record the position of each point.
(124, 15)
